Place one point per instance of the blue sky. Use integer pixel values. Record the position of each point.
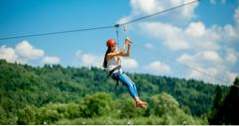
(203, 35)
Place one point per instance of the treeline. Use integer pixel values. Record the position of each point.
(100, 108)
(25, 90)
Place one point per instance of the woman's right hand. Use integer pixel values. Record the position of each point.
(127, 41)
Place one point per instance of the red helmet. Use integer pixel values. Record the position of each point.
(110, 42)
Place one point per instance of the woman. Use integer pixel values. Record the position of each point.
(113, 64)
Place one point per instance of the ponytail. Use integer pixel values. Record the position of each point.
(105, 58)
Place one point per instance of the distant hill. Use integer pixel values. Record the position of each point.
(23, 85)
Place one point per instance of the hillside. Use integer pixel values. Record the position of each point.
(26, 89)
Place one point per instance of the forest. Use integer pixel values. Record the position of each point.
(53, 94)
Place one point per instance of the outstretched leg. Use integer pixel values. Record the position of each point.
(132, 90)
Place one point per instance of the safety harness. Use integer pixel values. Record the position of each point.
(113, 77)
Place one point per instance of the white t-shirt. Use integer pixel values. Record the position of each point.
(113, 63)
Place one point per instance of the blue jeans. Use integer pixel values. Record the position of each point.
(125, 80)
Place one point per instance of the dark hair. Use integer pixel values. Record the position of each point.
(105, 58)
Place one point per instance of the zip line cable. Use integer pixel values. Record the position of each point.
(101, 27)
(59, 32)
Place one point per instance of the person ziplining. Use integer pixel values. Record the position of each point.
(113, 55)
(112, 63)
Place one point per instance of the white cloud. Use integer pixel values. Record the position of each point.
(194, 36)
(143, 7)
(201, 73)
(204, 42)
(211, 56)
(22, 53)
(204, 57)
(212, 75)
(26, 51)
(8, 54)
(231, 56)
(186, 59)
(202, 38)
(129, 63)
(196, 29)
(157, 67)
(229, 33)
(231, 76)
(170, 35)
(88, 59)
(51, 60)
(207, 66)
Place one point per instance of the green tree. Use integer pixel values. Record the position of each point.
(166, 107)
(95, 105)
(27, 115)
(236, 82)
(126, 109)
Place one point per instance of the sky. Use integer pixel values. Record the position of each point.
(198, 41)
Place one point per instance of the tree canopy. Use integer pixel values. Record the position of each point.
(53, 94)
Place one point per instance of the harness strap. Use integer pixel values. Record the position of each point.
(114, 69)
(110, 74)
